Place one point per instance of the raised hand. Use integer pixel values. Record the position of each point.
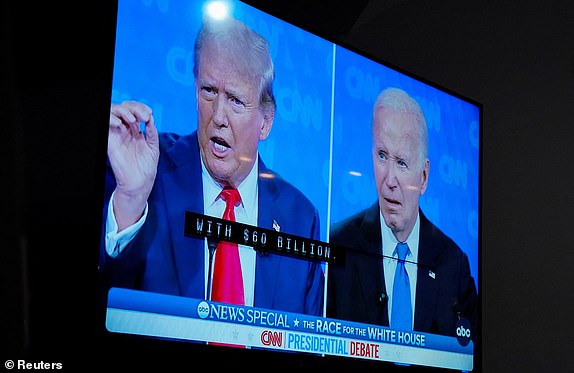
(134, 156)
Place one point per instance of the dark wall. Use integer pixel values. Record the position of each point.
(516, 58)
(57, 66)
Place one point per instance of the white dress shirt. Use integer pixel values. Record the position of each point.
(245, 213)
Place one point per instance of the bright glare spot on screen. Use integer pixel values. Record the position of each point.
(218, 9)
(266, 175)
(355, 173)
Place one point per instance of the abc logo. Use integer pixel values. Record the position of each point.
(203, 310)
(463, 331)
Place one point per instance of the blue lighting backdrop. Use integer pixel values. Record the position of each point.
(320, 140)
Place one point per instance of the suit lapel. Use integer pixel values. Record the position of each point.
(267, 265)
(183, 191)
(371, 243)
(427, 283)
(371, 225)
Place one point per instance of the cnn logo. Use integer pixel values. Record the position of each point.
(271, 338)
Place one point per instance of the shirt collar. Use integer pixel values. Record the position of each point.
(247, 189)
(389, 241)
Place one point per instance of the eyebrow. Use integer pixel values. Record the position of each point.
(381, 149)
(229, 91)
(235, 93)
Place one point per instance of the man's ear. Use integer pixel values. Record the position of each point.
(425, 176)
(266, 124)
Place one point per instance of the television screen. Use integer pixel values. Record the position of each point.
(330, 162)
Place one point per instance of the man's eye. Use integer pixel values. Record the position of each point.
(382, 155)
(237, 105)
(235, 101)
(208, 91)
(402, 163)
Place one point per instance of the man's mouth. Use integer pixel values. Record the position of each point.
(391, 201)
(219, 144)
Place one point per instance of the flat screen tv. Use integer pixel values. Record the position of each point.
(324, 143)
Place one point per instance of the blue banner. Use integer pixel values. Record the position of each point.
(163, 304)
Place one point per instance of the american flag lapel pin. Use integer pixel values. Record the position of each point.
(276, 226)
(432, 274)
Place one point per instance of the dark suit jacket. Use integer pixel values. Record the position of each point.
(161, 259)
(354, 289)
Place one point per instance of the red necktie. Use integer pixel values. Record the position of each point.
(227, 277)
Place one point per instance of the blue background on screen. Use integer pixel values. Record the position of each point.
(154, 64)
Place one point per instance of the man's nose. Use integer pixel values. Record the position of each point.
(219, 116)
(391, 177)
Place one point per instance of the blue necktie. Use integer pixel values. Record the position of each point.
(401, 314)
